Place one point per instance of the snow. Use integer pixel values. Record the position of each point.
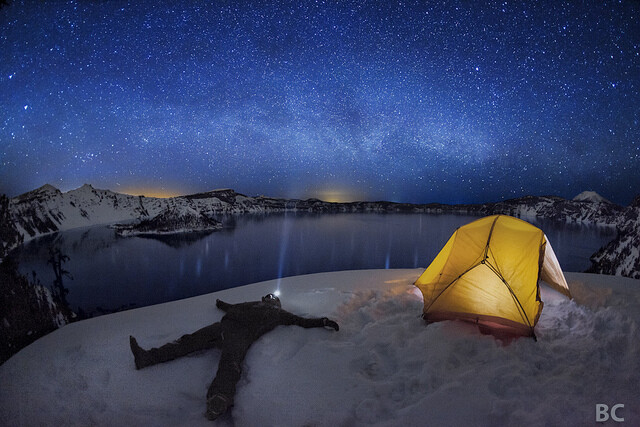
(590, 196)
(384, 367)
(84, 206)
(47, 188)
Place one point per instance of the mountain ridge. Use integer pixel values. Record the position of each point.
(47, 210)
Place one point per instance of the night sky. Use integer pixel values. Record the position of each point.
(452, 101)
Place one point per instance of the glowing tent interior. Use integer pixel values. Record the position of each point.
(488, 272)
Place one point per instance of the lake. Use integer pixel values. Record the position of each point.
(112, 272)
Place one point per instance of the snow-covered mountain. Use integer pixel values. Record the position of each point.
(590, 196)
(554, 208)
(621, 256)
(47, 210)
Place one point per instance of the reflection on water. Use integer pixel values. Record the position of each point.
(177, 241)
(111, 271)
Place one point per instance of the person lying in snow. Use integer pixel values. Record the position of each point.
(240, 327)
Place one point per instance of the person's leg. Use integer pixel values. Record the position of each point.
(223, 388)
(207, 337)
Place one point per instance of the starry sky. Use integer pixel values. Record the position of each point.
(412, 101)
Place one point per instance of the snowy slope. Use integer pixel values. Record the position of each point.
(47, 209)
(384, 367)
(621, 256)
(172, 220)
(555, 208)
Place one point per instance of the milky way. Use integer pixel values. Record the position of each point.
(455, 101)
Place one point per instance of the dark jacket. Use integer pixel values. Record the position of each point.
(259, 317)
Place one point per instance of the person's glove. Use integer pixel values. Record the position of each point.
(330, 323)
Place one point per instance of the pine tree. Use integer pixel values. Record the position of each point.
(56, 259)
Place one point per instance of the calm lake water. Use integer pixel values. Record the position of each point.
(113, 272)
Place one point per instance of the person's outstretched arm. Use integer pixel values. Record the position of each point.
(225, 306)
(321, 322)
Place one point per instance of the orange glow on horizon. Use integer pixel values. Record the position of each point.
(161, 193)
(337, 196)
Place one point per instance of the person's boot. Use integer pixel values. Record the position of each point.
(140, 356)
(216, 406)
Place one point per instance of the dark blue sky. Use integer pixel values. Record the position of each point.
(453, 101)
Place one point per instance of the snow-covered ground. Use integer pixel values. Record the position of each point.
(384, 366)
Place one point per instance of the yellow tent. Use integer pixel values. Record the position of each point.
(488, 272)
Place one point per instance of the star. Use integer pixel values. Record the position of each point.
(294, 99)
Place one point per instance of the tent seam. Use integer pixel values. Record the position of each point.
(449, 285)
(521, 310)
(486, 248)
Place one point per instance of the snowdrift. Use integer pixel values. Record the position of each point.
(384, 367)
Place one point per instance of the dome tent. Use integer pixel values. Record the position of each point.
(487, 273)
